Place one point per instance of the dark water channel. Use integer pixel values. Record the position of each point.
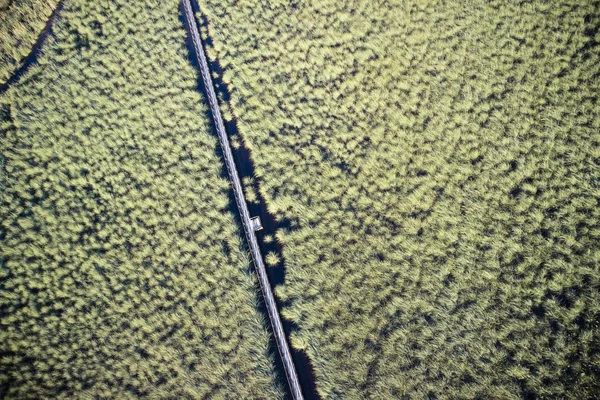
(276, 274)
(35, 51)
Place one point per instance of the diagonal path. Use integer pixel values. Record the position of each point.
(35, 50)
(248, 224)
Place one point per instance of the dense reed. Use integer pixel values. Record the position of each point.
(21, 22)
(438, 164)
(122, 271)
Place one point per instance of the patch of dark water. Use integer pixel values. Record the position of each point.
(245, 167)
(35, 51)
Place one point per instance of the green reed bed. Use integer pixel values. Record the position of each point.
(122, 271)
(21, 22)
(438, 164)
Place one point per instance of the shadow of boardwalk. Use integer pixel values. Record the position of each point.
(278, 331)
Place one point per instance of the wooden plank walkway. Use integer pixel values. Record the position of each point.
(249, 226)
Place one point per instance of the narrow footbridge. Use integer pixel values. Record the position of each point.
(250, 224)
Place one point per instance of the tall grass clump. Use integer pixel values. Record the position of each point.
(21, 22)
(438, 166)
(122, 271)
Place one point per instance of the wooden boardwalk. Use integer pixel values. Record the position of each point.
(249, 226)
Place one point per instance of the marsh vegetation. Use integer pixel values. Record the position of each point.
(122, 271)
(438, 166)
(21, 22)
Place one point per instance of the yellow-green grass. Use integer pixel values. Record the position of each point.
(439, 165)
(122, 271)
(21, 22)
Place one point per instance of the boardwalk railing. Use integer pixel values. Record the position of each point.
(249, 226)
